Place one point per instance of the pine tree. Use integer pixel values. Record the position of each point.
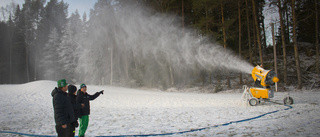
(239, 18)
(255, 16)
(283, 44)
(19, 48)
(296, 52)
(50, 57)
(317, 36)
(248, 31)
(66, 53)
(53, 16)
(95, 52)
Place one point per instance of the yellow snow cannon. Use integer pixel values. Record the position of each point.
(262, 90)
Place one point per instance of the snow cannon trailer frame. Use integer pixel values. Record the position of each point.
(256, 98)
(261, 91)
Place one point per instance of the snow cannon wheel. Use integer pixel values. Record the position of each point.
(288, 101)
(253, 101)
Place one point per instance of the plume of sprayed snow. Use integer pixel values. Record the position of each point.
(141, 34)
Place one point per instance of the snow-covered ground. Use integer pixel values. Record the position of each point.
(27, 108)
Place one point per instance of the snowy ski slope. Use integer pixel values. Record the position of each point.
(27, 108)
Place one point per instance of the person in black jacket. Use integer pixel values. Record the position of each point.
(76, 107)
(83, 98)
(63, 110)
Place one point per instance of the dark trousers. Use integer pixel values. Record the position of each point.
(64, 132)
(72, 131)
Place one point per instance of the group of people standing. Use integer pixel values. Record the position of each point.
(69, 106)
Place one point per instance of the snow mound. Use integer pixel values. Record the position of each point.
(41, 82)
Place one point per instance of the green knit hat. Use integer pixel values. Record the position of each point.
(83, 85)
(62, 83)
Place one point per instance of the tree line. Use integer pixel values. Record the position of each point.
(39, 41)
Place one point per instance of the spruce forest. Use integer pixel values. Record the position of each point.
(151, 43)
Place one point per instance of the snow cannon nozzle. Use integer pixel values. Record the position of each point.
(264, 77)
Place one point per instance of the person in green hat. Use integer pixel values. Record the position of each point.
(63, 109)
(84, 98)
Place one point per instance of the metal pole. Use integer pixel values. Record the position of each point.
(274, 53)
(111, 67)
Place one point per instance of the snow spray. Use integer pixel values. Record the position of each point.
(138, 35)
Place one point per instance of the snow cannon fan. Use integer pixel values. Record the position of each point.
(261, 90)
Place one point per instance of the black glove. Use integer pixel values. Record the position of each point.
(75, 124)
(101, 92)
